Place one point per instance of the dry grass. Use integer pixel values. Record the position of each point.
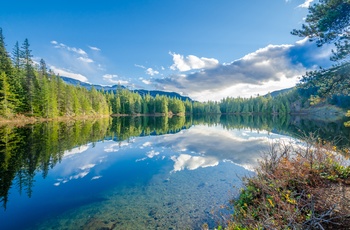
(296, 188)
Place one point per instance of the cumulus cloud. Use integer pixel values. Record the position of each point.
(151, 72)
(306, 4)
(114, 79)
(191, 62)
(243, 147)
(152, 154)
(270, 68)
(67, 73)
(148, 71)
(185, 161)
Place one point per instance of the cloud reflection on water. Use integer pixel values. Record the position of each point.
(198, 147)
(185, 161)
(205, 145)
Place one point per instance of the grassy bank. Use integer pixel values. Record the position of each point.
(296, 188)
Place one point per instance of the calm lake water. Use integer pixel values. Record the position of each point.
(136, 173)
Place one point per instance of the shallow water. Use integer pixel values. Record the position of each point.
(172, 181)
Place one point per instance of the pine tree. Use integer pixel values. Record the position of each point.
(26, 58)
(42, 68)
(11, 75)
(16, 57)
(5, 61)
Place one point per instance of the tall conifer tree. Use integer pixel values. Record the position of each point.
(26, 58)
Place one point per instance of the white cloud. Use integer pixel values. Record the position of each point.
(191, 62)
(146, 144)
(151, 72)
(79, 175)
(113, 78)
(96, 177)
(77, 60)
(140, 66)
(88, 166)
(85, 59)
(152, 154)
(72, 49)
(267, 69)
(77, 50)
(243, 147)
(185, 161)
(94, 48)
(306, 4)
(75, 151)
(147, 82)
(67, 73)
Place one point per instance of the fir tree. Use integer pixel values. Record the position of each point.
(26, 58)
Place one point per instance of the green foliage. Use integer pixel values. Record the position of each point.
(328, 82)
(8, 100)
(257, 105)
(329, 21)
(130, 103)
(124, 128)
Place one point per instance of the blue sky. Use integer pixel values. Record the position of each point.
(204, 49)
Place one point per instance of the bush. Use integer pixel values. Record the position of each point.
(296, 187)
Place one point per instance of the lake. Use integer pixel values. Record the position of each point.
(137, 172)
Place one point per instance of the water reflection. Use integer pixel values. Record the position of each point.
(213, 143)
(134, 171)
(186, 161)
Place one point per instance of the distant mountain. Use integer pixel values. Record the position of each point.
(114, 88)
(278, 92)
(88, 86)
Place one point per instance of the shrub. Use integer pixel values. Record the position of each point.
(296, 187)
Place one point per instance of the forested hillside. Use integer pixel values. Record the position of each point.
(30, 89)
